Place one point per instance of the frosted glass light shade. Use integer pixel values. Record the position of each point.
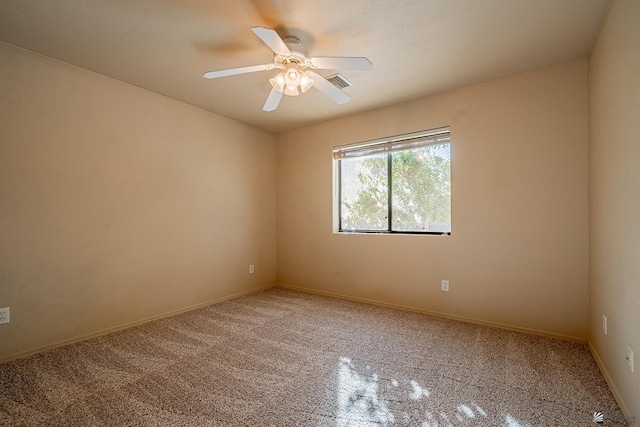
(278, 82)
(291, 90)
(292, 76)
(305, 82)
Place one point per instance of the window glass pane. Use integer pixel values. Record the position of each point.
(421, 194)
(364, 193)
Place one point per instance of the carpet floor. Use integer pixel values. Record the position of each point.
(286, 358)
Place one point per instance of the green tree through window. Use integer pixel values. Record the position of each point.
(420, 191)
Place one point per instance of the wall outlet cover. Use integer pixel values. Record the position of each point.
(4, 315)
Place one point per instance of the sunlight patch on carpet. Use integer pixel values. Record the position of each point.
(512, 422)
(360, 402)
(358, 398)
(418, 392)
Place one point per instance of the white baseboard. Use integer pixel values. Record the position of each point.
(439, 314)
(105, 331)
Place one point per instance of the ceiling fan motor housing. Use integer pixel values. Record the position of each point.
(294, 44)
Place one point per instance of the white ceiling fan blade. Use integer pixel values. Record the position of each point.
(273, 40)
(342, 63)
(234, 71)
(328, 89)
(273, 100)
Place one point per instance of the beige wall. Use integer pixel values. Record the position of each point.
(518, 254)
(118, 204)
(614, 198)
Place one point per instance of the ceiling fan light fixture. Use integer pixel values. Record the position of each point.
(278, 82)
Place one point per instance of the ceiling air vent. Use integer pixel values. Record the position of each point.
(339, 81)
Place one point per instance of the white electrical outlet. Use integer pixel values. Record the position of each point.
(252, 269)
(604, 324)
(444, 286)
(4, 315)
(630, 358)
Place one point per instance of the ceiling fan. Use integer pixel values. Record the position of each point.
(296, 69)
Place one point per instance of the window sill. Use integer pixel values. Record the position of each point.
(394, 233)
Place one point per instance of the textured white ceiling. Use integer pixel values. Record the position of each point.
(418, 47)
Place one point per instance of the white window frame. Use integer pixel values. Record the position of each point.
(379, 146)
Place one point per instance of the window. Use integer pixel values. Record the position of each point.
(396, 185)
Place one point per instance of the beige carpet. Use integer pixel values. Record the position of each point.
(285, 358)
